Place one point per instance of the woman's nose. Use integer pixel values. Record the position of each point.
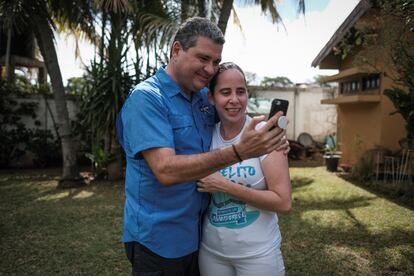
(234, 98)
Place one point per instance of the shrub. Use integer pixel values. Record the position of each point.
(364, 169)
(15, 138)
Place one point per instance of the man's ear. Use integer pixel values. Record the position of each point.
(210, 97)
(175, 49)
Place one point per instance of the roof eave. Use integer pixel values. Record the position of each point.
(349, 22)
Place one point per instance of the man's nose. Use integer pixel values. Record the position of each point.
(210, 68)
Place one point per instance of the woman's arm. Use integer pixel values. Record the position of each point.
(277, 197)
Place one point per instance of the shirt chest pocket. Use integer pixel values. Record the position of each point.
(180, 121)
(182, 126)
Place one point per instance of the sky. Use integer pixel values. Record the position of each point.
(263, 48)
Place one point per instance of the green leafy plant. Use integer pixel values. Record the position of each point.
(100, 160)
(403, 102)
(331, 147)
(15, 138)
(330, 150)
(45, 148)
(364, 170)
(351, 41)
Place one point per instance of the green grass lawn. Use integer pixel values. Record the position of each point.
(335, 228)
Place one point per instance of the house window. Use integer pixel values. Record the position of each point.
(350, 87)
(361, 84)
(371, 82)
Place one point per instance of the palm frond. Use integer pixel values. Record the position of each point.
(301, 7)
(236, 21)
(154, 27)
(13, 15)
(115, 6)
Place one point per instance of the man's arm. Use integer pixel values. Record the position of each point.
(170, 168)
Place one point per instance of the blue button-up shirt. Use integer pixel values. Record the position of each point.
(158, 114)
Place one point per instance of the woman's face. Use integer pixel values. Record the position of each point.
(230, 96)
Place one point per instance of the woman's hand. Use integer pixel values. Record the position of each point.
(212, 183)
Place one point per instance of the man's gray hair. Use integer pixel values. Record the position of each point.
(194, 27)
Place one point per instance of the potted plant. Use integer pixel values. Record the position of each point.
(331, 157)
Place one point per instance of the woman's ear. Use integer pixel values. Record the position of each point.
(210, 97)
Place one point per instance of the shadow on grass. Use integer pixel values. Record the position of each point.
(314, 249)
(19, 184)
(299, 182)
(401, 193)
(326, 236)
(29, 175)
(49, 231)
(329, 232)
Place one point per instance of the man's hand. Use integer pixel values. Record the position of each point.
(255, 143)
(285, 146)
(213, 183)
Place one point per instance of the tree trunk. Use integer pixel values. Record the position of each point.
(114, 168)
(225, 15)
(201, 4)
(44, 35)
(185, 5)
(9, 67)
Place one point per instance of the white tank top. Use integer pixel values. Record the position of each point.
(232, 228)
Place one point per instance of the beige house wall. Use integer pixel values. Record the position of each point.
(356, 135)
(369, 122)
(363, 123)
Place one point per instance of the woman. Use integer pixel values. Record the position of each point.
(240, 231)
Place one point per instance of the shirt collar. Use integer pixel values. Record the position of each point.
(171, 87)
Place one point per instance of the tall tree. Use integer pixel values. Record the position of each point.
(37, 14)
(395, 36)
(108, 81)
(276, 82)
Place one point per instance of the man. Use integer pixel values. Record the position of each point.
(165, 129)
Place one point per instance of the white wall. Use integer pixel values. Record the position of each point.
(43, 115)
(45, 119)
(306, 113)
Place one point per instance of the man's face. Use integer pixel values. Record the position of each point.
(194, 67)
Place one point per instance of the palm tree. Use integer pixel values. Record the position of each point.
(268, 6)
(145, 27)
(37, 14)
(108, 81)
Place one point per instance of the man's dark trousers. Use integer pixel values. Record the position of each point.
(147, 263)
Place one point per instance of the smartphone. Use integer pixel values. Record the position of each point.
(279, 105)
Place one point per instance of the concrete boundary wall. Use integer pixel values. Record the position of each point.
(306, 113)
(46, 111)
